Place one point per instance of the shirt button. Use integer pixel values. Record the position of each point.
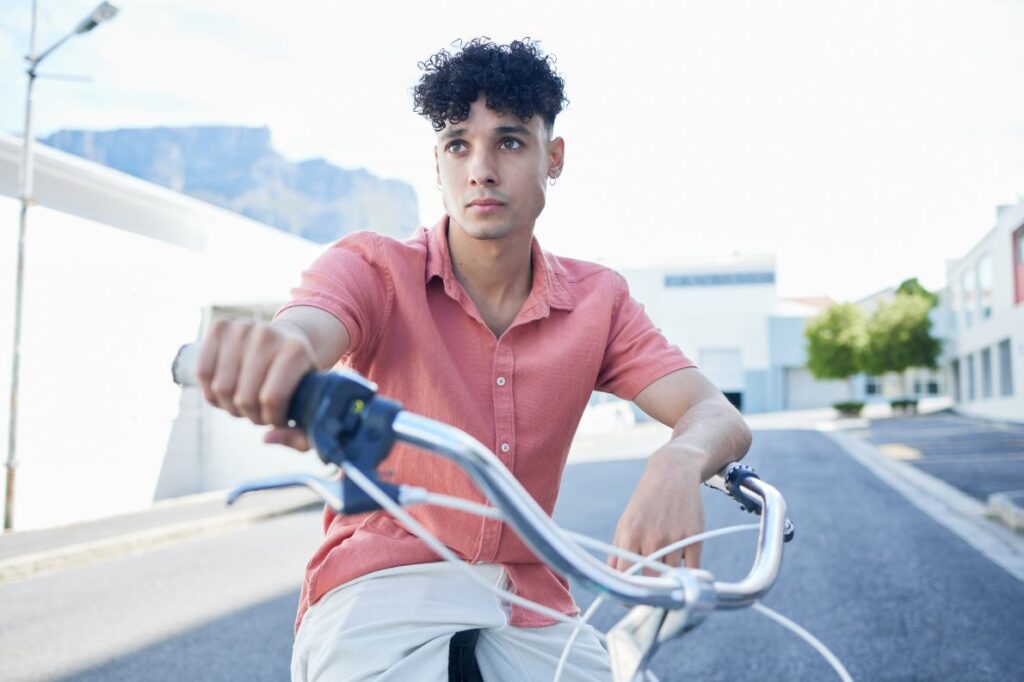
(505, 447)
(501, 381)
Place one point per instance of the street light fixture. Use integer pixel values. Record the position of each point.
(102, 13)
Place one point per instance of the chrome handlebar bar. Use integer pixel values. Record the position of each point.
(546, 539)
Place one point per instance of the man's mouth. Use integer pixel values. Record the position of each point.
(485, 205)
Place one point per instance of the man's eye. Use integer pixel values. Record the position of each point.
(511, 143)
(456, 146)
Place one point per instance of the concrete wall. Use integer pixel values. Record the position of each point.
(119, 273)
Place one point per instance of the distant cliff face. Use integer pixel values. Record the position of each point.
(237, 168)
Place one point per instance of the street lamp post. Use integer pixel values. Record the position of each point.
(102, 13)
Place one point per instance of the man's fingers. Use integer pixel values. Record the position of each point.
(693, 555)
(251, 377)
(287, 436)
(614, 560)
(282, 378)
(206, 364)
(225, 375)
(673, 558)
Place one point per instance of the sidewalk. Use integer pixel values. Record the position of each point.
(27, 553)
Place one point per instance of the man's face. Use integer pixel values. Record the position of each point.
(493, 171)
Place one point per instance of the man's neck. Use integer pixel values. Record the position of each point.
(496, 273)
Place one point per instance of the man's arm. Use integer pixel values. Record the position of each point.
(251, 369)
(707, 431)
(707, 434)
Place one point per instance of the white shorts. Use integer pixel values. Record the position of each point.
(396, 625)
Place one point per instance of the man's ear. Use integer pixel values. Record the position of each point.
(437, 168)
(556, 157)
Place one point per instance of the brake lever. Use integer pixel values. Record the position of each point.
(329, 490)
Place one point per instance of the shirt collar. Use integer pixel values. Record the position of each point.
(548, 290)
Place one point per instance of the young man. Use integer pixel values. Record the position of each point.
(471, 323)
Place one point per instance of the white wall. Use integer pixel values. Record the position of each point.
(108, 300)
(1006, 321)
(102, 309)
(710, 317)
(804, 392)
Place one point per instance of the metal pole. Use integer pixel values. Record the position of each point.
(25, 192)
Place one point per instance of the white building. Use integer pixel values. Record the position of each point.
(728, 317)
(791, 384)
(717, 312)
(119, 273)
(986, 361)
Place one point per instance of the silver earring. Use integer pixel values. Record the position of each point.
(552, 182)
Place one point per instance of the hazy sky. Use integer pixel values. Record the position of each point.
(860, 142)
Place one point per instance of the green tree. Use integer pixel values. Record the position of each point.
(899, 336)
(912, 287)
(835, 341)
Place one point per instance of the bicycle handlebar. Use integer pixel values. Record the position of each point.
(348, 422)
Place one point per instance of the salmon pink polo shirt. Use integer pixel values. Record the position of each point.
(418, 335)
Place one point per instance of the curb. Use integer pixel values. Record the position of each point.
(1002, 424)
(1007, 507)
(84, 553)
(958, 512)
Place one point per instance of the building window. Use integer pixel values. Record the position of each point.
(955, 371)
(925, 383)
(1018, 264)
(713, 279)
(1005, 369)
(986, 373)
(967, 295)
(873, 385)
(985, 287)
(970, 377)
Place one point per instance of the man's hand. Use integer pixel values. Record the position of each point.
(665, 507)
(251, 370)
(707, 434)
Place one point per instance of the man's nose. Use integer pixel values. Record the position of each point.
(482, 169)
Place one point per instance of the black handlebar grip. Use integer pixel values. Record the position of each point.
(304, 402)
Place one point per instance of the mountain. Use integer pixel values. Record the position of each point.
(238, 169)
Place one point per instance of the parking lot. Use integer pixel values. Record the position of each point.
(976, 456)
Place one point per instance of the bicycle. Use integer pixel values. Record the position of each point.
(353, 428)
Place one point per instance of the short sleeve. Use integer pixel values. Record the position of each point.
(637, 353)
(349, 280)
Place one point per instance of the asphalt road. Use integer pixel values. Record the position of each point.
(895, 595)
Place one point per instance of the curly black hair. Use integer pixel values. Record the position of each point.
(516, 78)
